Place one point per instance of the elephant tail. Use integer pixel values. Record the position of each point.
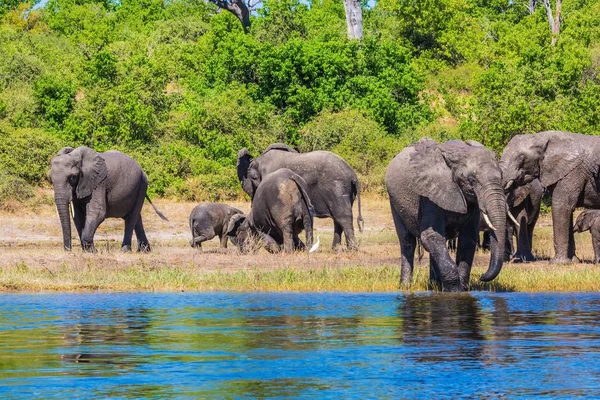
(301, 183)
(156, 209)
(359, 221)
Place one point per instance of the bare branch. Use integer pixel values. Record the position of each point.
(237, 8)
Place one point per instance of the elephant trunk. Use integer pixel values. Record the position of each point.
(494, 206)
(62, 206)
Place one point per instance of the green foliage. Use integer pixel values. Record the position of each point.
(360, 141)
(182, 88)
(54, 99)
(26, 153)
(14, 189)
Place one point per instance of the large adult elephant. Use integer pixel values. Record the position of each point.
(436, 192)
(99, 186)
(332, 183)
(567, 165)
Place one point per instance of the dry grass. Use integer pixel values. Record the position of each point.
(33, 259)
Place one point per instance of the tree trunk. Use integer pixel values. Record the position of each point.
(353, 19)
(553, 21)
(237, 8)
(531, 7)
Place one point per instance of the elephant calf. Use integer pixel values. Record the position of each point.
(589, 221)
(281, 209)
(208, 220)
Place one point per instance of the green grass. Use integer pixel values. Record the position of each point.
(383, 278)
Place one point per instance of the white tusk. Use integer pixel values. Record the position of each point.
(513, 219)
(508, 184)
(72, 210)
(315, 246)
(488, 222)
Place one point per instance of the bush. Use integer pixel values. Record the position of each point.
(359, 140)
(218, 186)
(14, 190)
(26, 153)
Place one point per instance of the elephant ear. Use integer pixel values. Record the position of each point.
(243, 162)
(520, 194)
(585, 220)
(279, 146)
(234, 223)
(93, 171)
(433, 177)
(65, 150)
(562, 155)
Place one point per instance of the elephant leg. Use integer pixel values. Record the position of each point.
(523, 253)
(433, 237)
(131, 224)
(465, 251)
(408, 244)
(509, 249)
(79, 218)
(485, 244)
(349, 234)
(596, 244)
(337, 234)
(223, 239)
(299, 244)
(140, 234)
(571, 250)
(530, 228)
(95, 215)
(435, 276)
(196, 242)
(307, 224)
(288, 240)
(564, 200)
(271, 244)
(127, 235)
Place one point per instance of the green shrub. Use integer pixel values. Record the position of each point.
(218, 186)
(359, 140)
(26, 153)
(14, 189)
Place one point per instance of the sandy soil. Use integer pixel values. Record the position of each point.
(33, 237)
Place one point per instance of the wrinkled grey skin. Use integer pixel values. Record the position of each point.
(99, 186)
(436, 191)
(524, 204)
(281, 209)
(567, 165)
(589, 221)
(332, 184)
(208, 220)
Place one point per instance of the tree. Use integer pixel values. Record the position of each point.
(353, 19)
(554, 21)
(238, 8)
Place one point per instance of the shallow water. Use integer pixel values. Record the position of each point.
(326, 345)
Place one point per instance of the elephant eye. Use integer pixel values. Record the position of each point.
(72, 179)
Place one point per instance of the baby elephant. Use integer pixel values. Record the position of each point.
(588, 220)
(208, 220)
(281, 209)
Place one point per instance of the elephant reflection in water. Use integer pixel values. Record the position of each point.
(100, 327)
(467, 331)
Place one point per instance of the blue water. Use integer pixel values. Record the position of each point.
(299, 345)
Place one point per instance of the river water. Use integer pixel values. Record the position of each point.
(324, 345)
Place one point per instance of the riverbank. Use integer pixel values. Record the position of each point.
(32, 259)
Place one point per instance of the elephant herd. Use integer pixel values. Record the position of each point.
(437, 192)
